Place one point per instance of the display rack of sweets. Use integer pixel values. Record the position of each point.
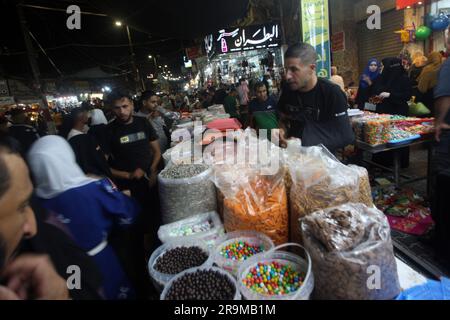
(376, 131)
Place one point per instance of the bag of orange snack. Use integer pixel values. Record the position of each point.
(254, 201)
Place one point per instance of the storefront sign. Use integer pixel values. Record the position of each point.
(243, 39)
(402, 4)
(316, 31)
(338, 42)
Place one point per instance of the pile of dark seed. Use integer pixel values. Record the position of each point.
(202, 285)
(179, 259)
(183, 171)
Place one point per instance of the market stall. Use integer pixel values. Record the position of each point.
(312, 204)
(378, 133)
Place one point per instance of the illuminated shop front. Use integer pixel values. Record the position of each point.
(249, 52)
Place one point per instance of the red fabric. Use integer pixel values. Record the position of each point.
(401, 4)
(225, 124)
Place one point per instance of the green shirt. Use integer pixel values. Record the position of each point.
(230, 105)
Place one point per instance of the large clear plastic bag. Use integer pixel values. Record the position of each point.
(319, 181)
(183, 198)
(364, 189)
(254, 201)
(182, 153)
(352, 254)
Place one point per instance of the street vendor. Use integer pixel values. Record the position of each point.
(312, 109)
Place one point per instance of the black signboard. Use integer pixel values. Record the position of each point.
(243, 39)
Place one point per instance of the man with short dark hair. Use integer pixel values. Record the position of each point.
(149, 110)
(90, 156)
(313, 109)
(26, 276)
(230, 103)
(263, 110)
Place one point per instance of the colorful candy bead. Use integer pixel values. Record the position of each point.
(272, 279)
(240, 251)
(190, 230)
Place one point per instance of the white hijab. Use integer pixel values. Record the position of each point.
(98, 117)
(55, 170)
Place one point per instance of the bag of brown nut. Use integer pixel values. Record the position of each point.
(319, 181)
(352, 254)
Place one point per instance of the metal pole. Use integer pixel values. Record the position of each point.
(34, 67)
(133, 62)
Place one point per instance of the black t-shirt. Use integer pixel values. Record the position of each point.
(89, 155)
(318, 116)
(130, 144)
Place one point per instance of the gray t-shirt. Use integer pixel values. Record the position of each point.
(443, 87)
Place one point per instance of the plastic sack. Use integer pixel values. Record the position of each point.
(254, 201)
(364, 188)
(352, 254)
(182, 153)
(167, 288)
(319, 181)
(160, 279)
(250, 237)
(418, 109)
(302, 265)
(431, 290)
(182, 198)
(206, 227)
(217, 109)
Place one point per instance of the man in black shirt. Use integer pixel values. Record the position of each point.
(134, 143)
(89, 155)
(312, 109)
(135, 156)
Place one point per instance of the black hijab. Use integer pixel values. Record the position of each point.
(392, 72)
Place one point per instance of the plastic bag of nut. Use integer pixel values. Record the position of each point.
(364, 189)
(319, 181)
(352, 254)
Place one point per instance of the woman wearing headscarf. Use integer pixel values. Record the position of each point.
(87, 209)
(428, 79)
(394, 88)
(367, 82)
(98, 129)
(419, 62)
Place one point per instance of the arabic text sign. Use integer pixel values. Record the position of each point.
(243, 39)
(316, 31)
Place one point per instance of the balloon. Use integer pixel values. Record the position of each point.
(423, 32)
(440, 23)
(429, 19)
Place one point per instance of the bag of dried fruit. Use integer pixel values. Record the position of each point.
(352, 254)
(319, 181)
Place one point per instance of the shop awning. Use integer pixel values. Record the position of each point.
(402, 4)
